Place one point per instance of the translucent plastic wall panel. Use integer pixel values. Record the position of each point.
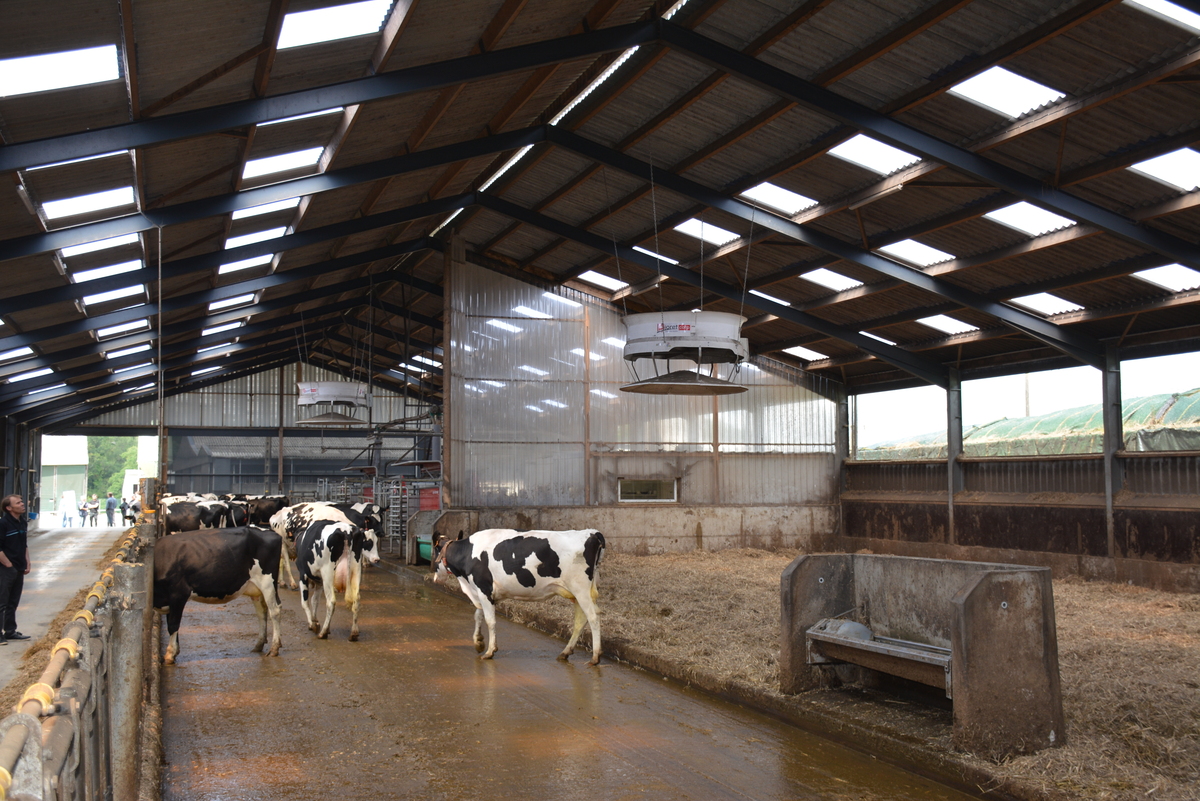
(694, 473)
(779, 478)
(519, 411)
(629, 420)
(544, 475)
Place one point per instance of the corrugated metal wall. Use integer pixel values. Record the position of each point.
(538, 417)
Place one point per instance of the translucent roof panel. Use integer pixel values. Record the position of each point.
(805, 353)
(116, 354)
(1174, 277)
(283, 162)
(913, 252)
(946, 324)
(332, 23)
(309, 115)
(778, 198)
(244, 264)
(220, 329)
(771, 298)
(22, 76)
(1029, 219)
(831, 280)
(31, 374)
(1045, 303)
(116, 294)
(1180, 169)
(15, 353)
(873, 154)
(658, 256)
(877, 337)
(599, 279)
(123, 328)
(206, 370)
(1006, 92)
(103, 244)
(267, 208)
(706, 232)
(104, 272)
(257, 236)
(228, 303)
(85, 204)
(1171, 12)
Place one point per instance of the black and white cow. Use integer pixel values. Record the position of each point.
(262, 507)
(290, 521)
(237, 513)
(189, 516)
(500, 563)
(329, 556)
(216, 566)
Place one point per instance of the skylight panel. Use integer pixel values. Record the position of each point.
(593, 277)
(946, 324)
(785, 200)
(503, 326)
(103, 244)
(133, 367)
(1180, 169)
(416, 368)
(79, 160)
(654, 255)
(220, 329)
(22, 76)
(31, 374)
(913, 252)
(534, 313)
(1045, 303)
(426, 360)
(244, 264)
(873, 155)
(116, 354)
(46, 389)
(310, 114)
(206, 370)
(1174, 277)
(114, 294)
(1172, 13)
(86, 204)
(805, 353)
(831, 280)
(228, 303)
(15, 353)
(142, 388)
(211, 348)
(104, 272)
(1006, 92)
(771, 298)
(706, 232)
(257, 236)
(267, 208)
(332, 22)
(283, 162)
(123, 328)
(877, 338)
(1029, 219)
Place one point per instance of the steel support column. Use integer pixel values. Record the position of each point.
(954, 449)
(1114, 441)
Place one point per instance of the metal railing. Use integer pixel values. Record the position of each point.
(77, 734)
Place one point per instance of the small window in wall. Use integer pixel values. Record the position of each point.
(648, 490)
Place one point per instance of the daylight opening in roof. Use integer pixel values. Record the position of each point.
(229, 303)
(873, 154)
(46, 389)
(1174, 277)
(123, 328)
(658, 256)
(104, 272)
(593, 277)
(706, 232)
(805, 353)
(103, 244)
(54, 164)
(947, 325)
(1029, 219)
(220, 329)
(1045, 303)
(768, 194)
(257, 236)
(321, 113)
(913, 252)
(831, 280)
(21, 76)
(1006, 92)
(877, 338)
(133, 367)
(267, 208)
(206, 370)
(115, 294)
(116, 354)
(1172, 13)
(1180, 169)
(331, 23)
(209, 350)
(15, 353)
(85, 204)
(771, 298)
(12, 379)
(253, 261)
(426, 360)
(282, 163)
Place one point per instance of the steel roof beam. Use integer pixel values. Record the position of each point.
(928, 371)
(920, 143)
(1078, 347)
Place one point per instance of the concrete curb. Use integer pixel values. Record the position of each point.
(878, 741)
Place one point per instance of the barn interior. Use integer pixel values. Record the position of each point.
(456, 205)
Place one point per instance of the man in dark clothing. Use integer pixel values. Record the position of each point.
(14, 564)
(110, 508)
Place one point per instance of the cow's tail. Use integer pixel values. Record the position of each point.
(593, 553)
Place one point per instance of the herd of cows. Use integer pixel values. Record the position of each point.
(215, 549)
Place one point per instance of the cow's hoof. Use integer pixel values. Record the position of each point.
(168, 660)
(486, 656)
(563, 656)
(594, 662)
(479, 647)
(354, 636)
(322, 635)
(273, 652)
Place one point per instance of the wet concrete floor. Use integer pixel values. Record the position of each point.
(409, 711)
